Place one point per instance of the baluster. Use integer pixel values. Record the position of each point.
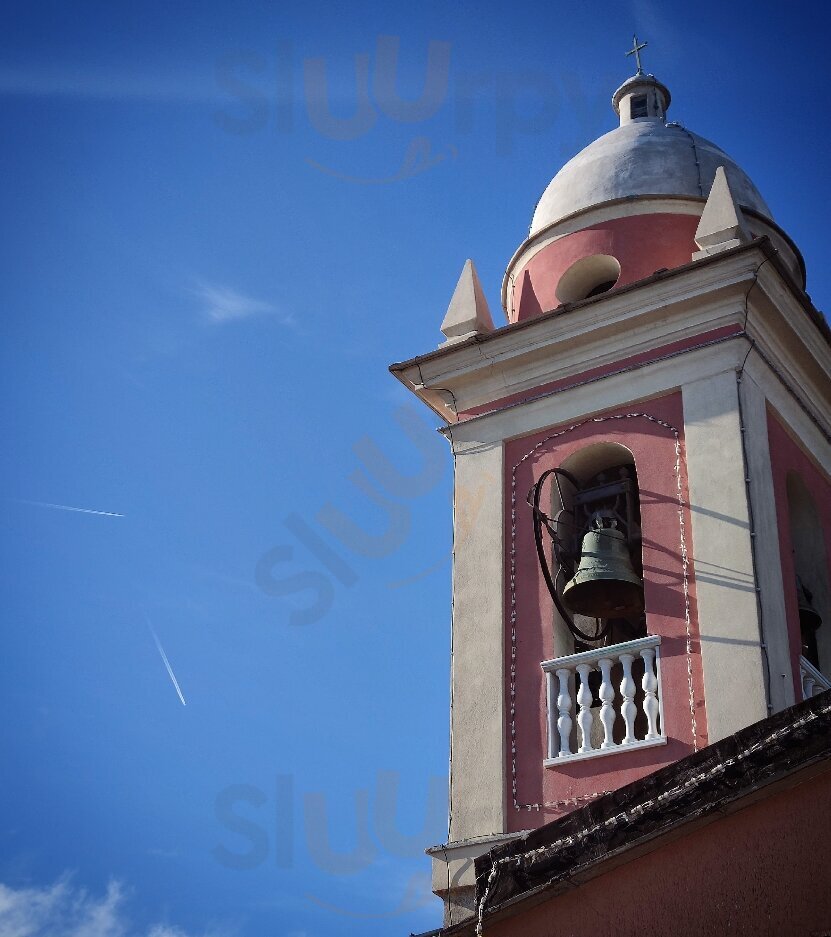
(551, 697)
(807, 686)
(564, 710)
(584, 700)
(607, 695)
(650, 686)
(627, 691)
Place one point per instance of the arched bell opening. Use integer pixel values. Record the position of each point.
(593, 565)
(605, 498)
(811, 574)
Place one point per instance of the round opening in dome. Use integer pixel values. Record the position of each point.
(589, 276)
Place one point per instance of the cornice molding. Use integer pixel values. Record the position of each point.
(746, 286)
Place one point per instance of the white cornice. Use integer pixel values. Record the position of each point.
(665, 309)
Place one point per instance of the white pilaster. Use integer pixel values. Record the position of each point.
(768, 561)
(721, 555)
(477, 718)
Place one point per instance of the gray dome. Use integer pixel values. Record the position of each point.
(643, 157)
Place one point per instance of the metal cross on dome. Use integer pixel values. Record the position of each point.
(636, 51)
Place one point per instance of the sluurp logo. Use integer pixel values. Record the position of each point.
(389, 491)
(264, 95)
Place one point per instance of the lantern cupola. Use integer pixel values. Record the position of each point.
(641, 97)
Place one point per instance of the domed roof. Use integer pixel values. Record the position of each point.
(642, 157)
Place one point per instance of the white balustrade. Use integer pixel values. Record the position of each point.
(813, 682)
(620, 704)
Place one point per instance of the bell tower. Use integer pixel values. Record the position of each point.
(642, 483)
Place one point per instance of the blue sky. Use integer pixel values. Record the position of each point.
(207, 269)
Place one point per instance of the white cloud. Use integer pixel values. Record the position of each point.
(62, 910)
(223, 304)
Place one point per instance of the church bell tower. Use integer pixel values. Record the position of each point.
(642, 483)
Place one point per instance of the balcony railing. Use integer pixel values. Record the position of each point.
(605, 700)
(813, 682)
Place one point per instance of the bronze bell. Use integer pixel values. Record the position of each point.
(808, 616)
(809, 621)
(605, 584)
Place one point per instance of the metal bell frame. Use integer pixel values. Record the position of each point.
(541, 521)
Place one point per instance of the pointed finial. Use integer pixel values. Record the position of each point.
(636, 51)
(722, 223)
(468, 313)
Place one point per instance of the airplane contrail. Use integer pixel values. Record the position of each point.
(68, 507)
(166, 663)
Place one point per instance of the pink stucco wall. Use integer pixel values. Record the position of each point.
(552, 791)
(786, 456)
(759, 872)
(642, 244)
